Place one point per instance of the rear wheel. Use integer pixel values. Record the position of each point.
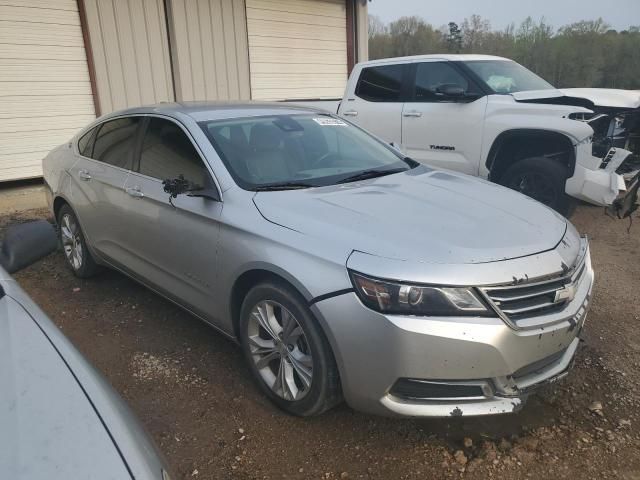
(542, 179)
(287, 352)
(74, 246)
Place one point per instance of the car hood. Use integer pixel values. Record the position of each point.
(553, 96)
(607, 97)
(537, 94)
(424, 215)
(49, 427)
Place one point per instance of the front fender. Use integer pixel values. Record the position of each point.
(505, 115)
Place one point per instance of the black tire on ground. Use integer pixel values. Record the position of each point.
(324, 391)
(82, 266)
(542, 179)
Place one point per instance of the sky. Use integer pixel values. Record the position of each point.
(620, 14)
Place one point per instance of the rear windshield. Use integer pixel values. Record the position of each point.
(308, 149)
(507, 77)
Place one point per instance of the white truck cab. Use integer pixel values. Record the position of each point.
(486, 116)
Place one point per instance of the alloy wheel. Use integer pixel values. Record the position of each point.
(71, 241)
(280, 350)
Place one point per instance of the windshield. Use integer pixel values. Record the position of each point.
(507, 77)
(298, 151)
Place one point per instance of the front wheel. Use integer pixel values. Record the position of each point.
(287, 352)
(542, 179)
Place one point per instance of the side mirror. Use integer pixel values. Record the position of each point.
(180, 186)
(451, 90)
(26, 243)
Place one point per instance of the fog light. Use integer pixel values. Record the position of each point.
(415, 389)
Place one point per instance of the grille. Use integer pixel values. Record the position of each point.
(521, 302)
(607, 158)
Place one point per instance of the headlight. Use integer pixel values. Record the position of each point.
(427, 300)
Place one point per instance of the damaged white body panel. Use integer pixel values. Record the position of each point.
(600, 186)
(485, 116)
(607, 97)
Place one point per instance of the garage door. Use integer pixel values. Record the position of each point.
(297, 48)
(45, 93)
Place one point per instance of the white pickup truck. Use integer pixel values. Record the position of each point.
(490, 117)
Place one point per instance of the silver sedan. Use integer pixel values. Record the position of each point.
(343, 268)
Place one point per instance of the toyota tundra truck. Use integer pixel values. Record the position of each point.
(490, 117)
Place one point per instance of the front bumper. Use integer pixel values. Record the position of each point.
(375, 351)
(595, 179)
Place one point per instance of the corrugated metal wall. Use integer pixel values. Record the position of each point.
(209, 49)
(297, 48)
(362, 31)
(130, 51)
(45, 92)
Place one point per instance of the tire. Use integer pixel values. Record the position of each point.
(303, 354)
(542, 179)
(74, 246)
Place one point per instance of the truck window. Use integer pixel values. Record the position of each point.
(431, 75)
(380, 84)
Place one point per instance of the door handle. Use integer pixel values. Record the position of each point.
(412, 113)
(84, 175)
(350, 113)
(134, 192)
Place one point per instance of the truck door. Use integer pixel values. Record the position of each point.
(375, 102)
(442, 117)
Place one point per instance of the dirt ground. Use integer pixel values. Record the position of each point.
(193, 393)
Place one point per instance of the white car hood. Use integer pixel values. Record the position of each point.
(423, 215)
(537, 94)
(607, 97)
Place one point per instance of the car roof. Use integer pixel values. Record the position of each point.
(203, 111)
(444, 56)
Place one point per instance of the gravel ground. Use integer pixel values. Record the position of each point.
(194, 395)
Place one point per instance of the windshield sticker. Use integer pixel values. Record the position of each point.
(330, 122)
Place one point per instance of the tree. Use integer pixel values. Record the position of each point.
(474, 31)
(454, 38)
(582, 54)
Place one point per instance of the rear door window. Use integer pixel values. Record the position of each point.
(381, 84)
(167, 153)
(115, 142)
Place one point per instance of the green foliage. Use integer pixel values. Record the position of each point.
(583, 54)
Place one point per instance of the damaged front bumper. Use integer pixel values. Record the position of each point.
(595, 179)
(453, 366)
(500, 395)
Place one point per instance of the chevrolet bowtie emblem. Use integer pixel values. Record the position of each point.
(565, 294)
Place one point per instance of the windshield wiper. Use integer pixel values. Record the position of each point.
(371, 174)
(273, 187)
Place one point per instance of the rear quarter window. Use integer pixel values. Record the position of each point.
(85, 144)
(115, 142)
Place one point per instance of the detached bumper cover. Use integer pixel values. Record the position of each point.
(595, 180)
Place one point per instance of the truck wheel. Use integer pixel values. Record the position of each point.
(542, 179)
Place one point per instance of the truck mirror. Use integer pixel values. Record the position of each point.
(451, 90)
